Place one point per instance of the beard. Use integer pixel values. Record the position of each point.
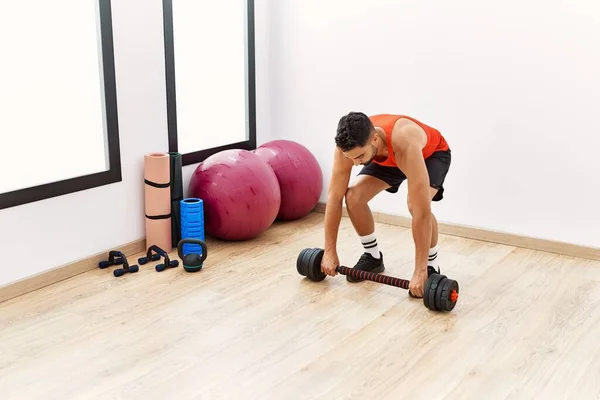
(373, 155)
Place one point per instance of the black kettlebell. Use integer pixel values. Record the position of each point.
(192, 262)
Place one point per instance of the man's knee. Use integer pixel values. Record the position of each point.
(362, 191)
(354, 197)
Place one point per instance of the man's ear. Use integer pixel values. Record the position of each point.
(375, 137)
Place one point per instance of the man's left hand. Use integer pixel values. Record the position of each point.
(417, 283)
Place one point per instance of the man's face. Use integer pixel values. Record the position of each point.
(362, 155)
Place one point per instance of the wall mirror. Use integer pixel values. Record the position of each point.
(58, 108)
(209, 52)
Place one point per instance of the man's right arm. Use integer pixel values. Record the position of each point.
(340, 177)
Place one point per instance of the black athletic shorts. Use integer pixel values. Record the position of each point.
(437, 164)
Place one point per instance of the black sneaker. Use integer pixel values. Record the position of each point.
(367, 262)
(431, 270)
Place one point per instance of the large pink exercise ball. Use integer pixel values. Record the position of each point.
(299, 175)
(240, 193)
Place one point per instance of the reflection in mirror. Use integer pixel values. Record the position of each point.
(210, 56)
(52, 105)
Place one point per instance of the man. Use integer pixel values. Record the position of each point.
(392, 148)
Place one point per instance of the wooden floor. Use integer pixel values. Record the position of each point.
(527, 326)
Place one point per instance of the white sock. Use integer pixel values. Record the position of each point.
(433, 253)
(369, 242)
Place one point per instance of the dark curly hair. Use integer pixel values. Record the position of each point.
(354, 130)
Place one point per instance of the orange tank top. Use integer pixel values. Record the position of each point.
(435, 140)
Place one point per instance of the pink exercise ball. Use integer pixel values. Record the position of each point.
(298, 173)
(240, 193)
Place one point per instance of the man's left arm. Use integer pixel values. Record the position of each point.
(408, 145)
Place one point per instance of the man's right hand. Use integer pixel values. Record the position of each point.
(329, 263)
(340, 177)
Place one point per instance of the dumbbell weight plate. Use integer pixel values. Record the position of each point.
(429, 294)
(303, 262)
(314, 265)
(438, 293)
(320, 275)
(300, 262)
(443, 300)
(310, 261)
(305, 267)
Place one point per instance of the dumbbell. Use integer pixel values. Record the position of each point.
(116, 257)
(155, 257)
(440, 294)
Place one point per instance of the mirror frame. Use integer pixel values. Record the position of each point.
(200, 155)
(84, 182)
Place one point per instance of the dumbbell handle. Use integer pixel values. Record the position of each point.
(371, 276)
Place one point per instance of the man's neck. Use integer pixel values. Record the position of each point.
(382, 150)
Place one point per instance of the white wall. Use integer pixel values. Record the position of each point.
(75, 226)
(501, 80)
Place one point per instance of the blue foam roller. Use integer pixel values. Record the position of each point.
(192, 223)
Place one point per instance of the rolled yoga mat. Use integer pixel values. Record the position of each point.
(157, 194)
(192, 224)
(176, 197)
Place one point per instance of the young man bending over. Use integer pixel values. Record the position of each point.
(392, 148)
